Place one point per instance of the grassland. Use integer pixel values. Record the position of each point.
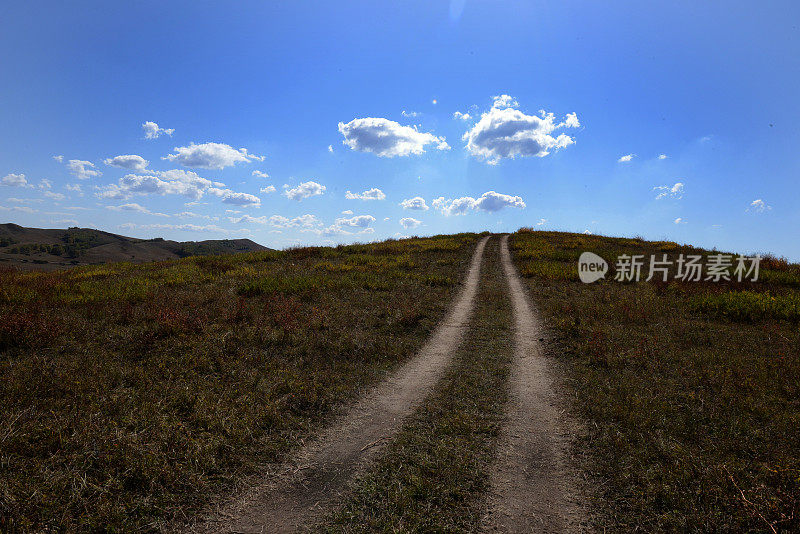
(691, 389)
(132, 394)
(435, 471)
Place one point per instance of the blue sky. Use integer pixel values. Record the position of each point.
(358, 96)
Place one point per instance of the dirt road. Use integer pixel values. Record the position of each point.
(533, 486)
(302, 490)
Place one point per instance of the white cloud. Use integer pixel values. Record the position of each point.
(416, 203)
(304, 190)
(462, 116)
(506, 132)
(410, 114)
(185, 227)
(666, 191)
(172, 182)
(759, 206)
(541, 222)
(387, 138)
(260, 174)
(304, 222)
(347, 212)
(83, 170)
(409, 222)
(626, 158)
(131, 162)
(137, 208)
(14, 180)
(59, 158)
(54, 196)
(679, 221)
(268, 189)
(330, 148)
(210, 156)
(23, 209)
(153, 131)
(490, 201)
(237, 199)
(369, 194)
(358, 221)
(75, 188)
(662, 156)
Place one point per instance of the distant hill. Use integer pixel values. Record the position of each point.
(40, 249)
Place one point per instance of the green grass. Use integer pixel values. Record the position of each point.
(691, 390)
(433, 474)
(132, 394)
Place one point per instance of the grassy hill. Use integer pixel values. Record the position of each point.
(41, 249)
(132, 394)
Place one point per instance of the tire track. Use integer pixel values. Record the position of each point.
(533, 486)
(303, 489)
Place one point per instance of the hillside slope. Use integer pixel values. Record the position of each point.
(48, 249)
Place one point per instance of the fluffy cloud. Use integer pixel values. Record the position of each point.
(679, 221)
(259, 174)
(490, 201)
(305, 222)
(172, 182)
(132, 162)
(268, 189)
(137, 208)
(369, 194)
(416, 203)
(237, 199)
(15, 180)
(185, 227)
(410, 114)
(75, 188)
(506, 132)
(409, 222)
(83, 170)
(666, 191)
(210, 156)
(54, 196)
(358, 221)
(462, 116)
(759, 206)
(153, 131)
(387, 138)
(626, 158)
(662, 156)
(304, 190)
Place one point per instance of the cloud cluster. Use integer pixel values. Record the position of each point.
(759, 206)
(132, 162)
(260, 174)
(416, 203)
(304, 190)
(462, 116)
(83, 170)
(626, 158)
(386, 138)
(409, 222)
(210, 156)
(174, 182)
(137, 208)
(506, 132)
(153, 131)
(14, 180)
(666, 191)
(490, 201)
(369, 194)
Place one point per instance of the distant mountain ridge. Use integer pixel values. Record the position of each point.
(48, 249)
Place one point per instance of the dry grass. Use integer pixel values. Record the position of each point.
(131, 394)
(692, 390)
